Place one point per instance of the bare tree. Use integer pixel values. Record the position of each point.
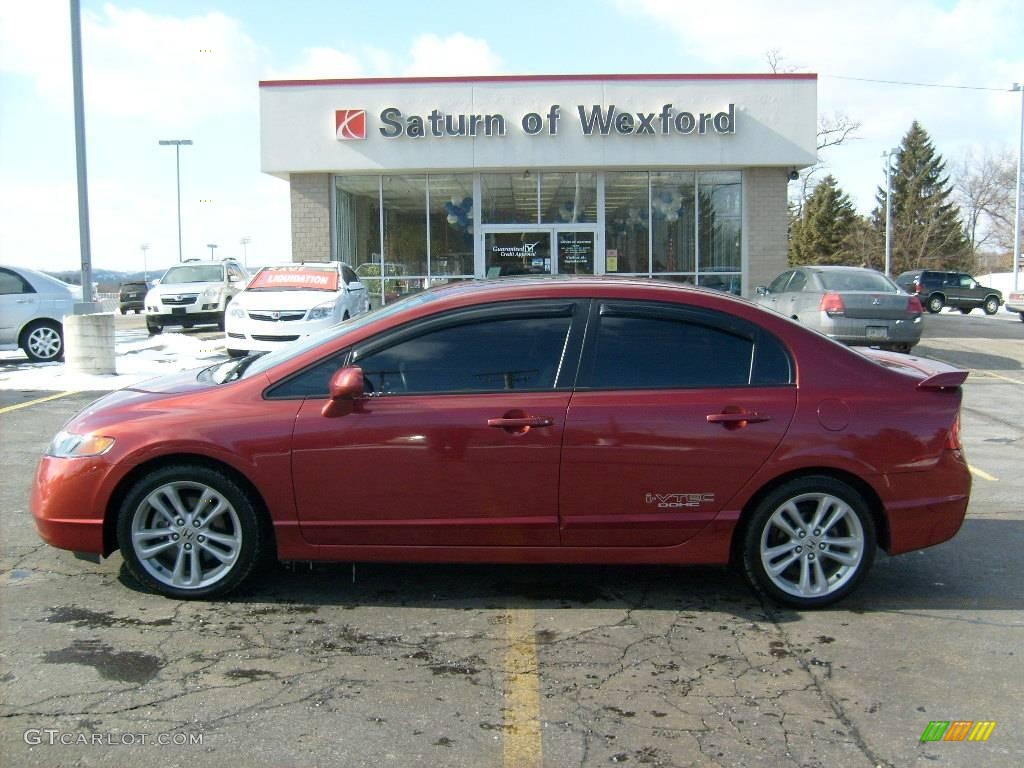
(984, 188)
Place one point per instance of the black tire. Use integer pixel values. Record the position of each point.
(187, 552)
(124, 310)
(808, 555)
(936, 303)
(1021, 316)
(965, 310)
(991, 305)
(43, 341)
(902, 348)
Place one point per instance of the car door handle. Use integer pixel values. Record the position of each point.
(521, 422)
(736, 419)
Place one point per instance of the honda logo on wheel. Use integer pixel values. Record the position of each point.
(350, 124)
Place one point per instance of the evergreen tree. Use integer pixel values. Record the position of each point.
(822, 233)
(926, 228)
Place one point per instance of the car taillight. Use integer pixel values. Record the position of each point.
(918, 288)
(914, 306)
(953, 436)
(832, 303)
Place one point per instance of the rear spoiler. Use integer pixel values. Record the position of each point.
(932, 374)
(944, 380)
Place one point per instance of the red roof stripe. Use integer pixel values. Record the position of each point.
(534, 79)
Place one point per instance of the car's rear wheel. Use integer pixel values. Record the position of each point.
(153, 327)
(809, 543)
(991, 305)
(189, 531)
(43, 341)
(904, 348)
(936, 303)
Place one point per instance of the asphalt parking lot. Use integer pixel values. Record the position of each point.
(527, 666)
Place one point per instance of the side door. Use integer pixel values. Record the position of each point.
(19, 302)
(971, 293)
(675, 409)
(458, 442)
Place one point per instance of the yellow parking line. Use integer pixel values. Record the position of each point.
(1004, 378)
(522, 742)
(9, 408)
(982, 474)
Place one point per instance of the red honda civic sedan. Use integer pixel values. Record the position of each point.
(523, 421)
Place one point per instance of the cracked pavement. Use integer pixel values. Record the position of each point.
(408, 664)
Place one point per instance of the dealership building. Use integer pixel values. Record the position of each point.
(428, 180)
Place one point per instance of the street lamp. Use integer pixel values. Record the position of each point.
(888, 210)
(177, 144)
(1016, 216)
(145, 270)
(245, 251)
(211, 246)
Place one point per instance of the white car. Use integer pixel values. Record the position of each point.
(32, 309)
(284, 303)
(1015, 303)
(195, 292)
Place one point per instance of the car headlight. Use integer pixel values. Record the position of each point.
(321, 311)
(67, 445)
(212, 294)
(236, 312)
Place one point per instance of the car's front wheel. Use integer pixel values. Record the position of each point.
(991, 305)
(189, 531)
(153, 326)
(43, 341)
(809, 542)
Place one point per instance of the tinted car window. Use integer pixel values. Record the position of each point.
(521, 353)
(348, 275)
(778, 285)
(12, 283)
(312, 382)
(839, 280)
(655, 347)
(797, 283)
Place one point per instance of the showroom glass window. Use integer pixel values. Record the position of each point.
(465, 358)
(626, 220)
(672, 225)
(451, 226)
(568, 198)
(509, 198)
(357, 219)
(719, 231)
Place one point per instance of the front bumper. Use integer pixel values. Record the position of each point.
(66, 503)
(248, 335)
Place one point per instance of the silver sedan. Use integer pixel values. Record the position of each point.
(849, 304)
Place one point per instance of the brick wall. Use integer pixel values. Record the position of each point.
(765, 223)
(311, 216)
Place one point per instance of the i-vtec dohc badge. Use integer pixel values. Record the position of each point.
(677, 500)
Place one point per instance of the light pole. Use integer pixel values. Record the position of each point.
(888, 210)
(245, 251)
(145, 269)
(177, 144)
(211, 246)
(1016, 215)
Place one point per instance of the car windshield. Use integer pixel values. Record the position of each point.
(232, 370)
(856, 280)
(194, 273)
(295, 279)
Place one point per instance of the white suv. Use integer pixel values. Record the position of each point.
(194, 292)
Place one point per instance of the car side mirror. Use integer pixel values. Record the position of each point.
(156, 282)
(232, 278)
(761, 290)
(346, 387)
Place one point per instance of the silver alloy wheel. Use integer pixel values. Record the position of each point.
(186, 535)
(43, 343)
(812, 545)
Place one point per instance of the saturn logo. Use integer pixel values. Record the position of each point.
(350, 124)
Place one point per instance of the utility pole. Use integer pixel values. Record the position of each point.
(245, 251)
(145, 270)
(177, 144)
(888, 210)
(1016, 215)
(87, 306)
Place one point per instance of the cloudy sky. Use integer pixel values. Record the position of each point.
(164, 69)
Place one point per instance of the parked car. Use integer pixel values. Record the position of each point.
(131, 296)
(291, 301)
(1015, 303)
(958, 290)
(195, 292)
(702, 429)
(859, 307)
(32, 309)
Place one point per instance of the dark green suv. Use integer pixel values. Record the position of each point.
(937, 289)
